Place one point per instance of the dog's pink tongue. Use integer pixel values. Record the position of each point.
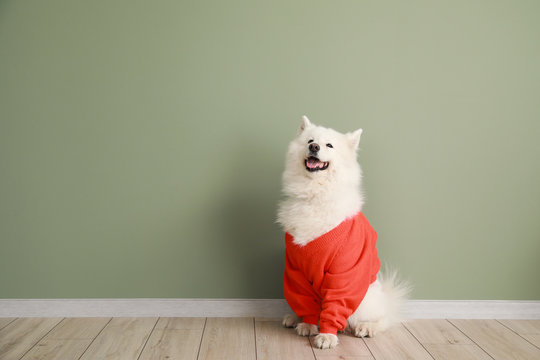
(312, 163)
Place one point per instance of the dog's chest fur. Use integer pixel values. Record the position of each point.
(308, 218)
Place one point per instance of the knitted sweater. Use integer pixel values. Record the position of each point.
(326, 280)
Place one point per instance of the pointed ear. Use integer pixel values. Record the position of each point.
(354, 138)
(303, 125)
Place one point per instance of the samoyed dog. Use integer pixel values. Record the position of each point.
(332, 280)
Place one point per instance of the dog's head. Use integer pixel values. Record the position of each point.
(322, 153)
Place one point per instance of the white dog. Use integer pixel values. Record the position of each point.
(322, 185)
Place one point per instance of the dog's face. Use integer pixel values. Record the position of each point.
(319, 152)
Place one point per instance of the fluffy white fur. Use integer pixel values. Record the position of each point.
(315, 203)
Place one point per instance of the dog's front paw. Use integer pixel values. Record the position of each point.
(304, 329)
(290, 320)
(325, 341)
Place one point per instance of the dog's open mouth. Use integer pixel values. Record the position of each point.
(314, 164)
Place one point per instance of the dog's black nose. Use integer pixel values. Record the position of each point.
(314, 147)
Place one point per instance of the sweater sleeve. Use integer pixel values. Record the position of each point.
(300, 294)
(345, 284)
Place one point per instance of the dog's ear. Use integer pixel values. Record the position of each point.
(303, 125)
(354, 138)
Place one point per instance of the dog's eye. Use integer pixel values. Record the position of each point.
(310, 141)
(329, 145)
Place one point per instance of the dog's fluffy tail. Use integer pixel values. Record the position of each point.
(396, 292)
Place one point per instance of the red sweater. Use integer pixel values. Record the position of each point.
(328, 278)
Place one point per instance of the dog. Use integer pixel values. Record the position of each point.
(332, 278)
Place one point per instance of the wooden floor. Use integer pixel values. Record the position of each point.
(248, 338)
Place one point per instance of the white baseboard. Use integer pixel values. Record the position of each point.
(472, 309)
(143, 308)
(414, 309)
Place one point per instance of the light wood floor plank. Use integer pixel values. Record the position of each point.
(349, 348)
(22, 334)
(436, 331)
(274, 342)
(174, 338)
(457, 352)
(396, 343)
(122, 338)
(528, 329)
(444, 341)
(5, 322)
(68, 340)
(343, 357)
(497, 340)
(228, 338)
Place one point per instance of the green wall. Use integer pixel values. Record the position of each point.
(142, 142)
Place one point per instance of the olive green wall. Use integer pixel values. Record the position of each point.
(142, 143)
